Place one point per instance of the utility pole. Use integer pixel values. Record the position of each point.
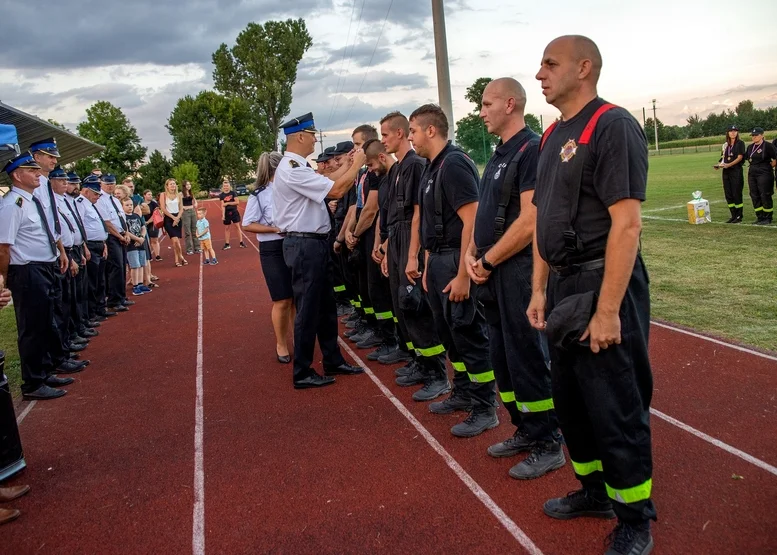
(321, 140)
(655, 123)
(443, 71)
(644, 119)
(542, 125)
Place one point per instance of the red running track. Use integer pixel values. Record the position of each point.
(114, 469)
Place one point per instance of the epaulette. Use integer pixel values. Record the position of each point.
(293, 163)
(19, 202)
(79, 199)
(258, 190)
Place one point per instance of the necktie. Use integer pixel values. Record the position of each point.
(69, 225)
(119, 214)
(79, 223)
(57, 226)
(42, 214)
(99, 217)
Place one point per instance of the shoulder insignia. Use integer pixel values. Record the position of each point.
(293, 163)
(259, 190)
(19, 202)
(79, 199)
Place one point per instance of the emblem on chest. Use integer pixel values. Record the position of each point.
(569, 150)
(499, 170)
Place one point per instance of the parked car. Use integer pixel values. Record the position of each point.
(241, 190)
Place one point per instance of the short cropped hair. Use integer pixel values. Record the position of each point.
(432, 114)
(373, 148)
(397, 120)
(367, 131)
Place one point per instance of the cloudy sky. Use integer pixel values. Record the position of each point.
(692, 56)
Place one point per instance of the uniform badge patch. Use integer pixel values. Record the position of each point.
(19, 202)
(499, 171)
(569, 150)
(293, 163)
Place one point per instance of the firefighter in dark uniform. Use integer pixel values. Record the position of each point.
(591, 181)
(301, 213)
(81, 315)
(96, 236)
(731, 161)
(30, 264)
(449, 200)
(760, 176)
(500, 262)
(344, 306)
(400, 258)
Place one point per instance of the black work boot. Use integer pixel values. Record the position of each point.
(510, 447)
(396, 356)
(583, 502)
(733, 217)
(369, 342)
(545, 456)
(383, 349)
(406, 369)
(455, 402)
(435, 385)
(630, 539)
(417, 375)
(478, 421)
(359, 337)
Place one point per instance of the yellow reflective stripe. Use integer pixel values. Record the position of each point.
(759, 209)
(395, 320)
(369, 310)
(739, 205)
(384, 315)
(339, 288)
(732, 205)
(484, 377)
(431, 351)
(631, 495)
(768, 209)
(459, 366)
(357, 304)
(535, 406)
(507, 396)
(410, 346)
(586, 468)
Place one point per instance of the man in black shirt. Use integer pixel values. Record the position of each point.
(760, 176)
(591, 181)
(449, 201)
(399, 256)
(499, 261)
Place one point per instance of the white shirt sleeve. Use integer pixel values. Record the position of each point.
(253, 212)
(308, 183)
(10, 221)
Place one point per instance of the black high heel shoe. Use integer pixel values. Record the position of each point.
(283, 359)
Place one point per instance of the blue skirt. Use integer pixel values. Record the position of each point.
(276, 274)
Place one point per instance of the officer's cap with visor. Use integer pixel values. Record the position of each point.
(303, 123)
(757, 131)
(91, 182)
(109, 178)
(24, 160)
(343, 148)
(73, 178)
(324, 156)
(49, 146)
(58, 173)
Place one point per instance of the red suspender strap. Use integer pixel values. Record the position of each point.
(547, 133)
(585, 137)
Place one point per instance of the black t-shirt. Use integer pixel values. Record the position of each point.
(459, 186)
(372, 182)
(615, 168)
(134, 226)
(152, 205)
(228, 197)
(343, 203)
(761, 156)
(404, 179)
(493, 181)
(383, 194)
(731, 152)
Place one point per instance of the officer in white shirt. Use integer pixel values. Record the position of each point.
(29, 264)
(96, 236)
(81, 254)
(115, 265)
(302, 215)
(46, 155)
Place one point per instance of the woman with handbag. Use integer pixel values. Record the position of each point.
(170, 202)
(155, 217)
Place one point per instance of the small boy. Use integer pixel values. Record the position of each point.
(136, 250)
(203, 234)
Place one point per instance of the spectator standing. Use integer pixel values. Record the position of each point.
(189, 219)
(170, 203)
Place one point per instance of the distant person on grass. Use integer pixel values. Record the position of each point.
(762, 156)
(258, 218)
(731, 162)
(189, 220)
(170, 202)
(136, 250)
(230, 213)
(203, 236)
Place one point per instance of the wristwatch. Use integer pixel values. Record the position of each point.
(486, 264)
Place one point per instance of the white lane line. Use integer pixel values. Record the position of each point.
(716, 442)
(717, 341)
(473, 486)
(198, 525)
(25, 412)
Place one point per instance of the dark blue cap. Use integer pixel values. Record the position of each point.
(72, 177)
(49, 146)
(24, 160)
(57, 173)
(343, 148)
(302, 123)
(733, 128)
(757, 131)
(108, 178)
(324, 156)
(92, 182)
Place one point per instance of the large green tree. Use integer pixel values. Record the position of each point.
(187, 171)
(261, 68)
(154, 173)
(218, 134)
(107, 125)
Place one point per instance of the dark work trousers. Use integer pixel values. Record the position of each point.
(603, 400)
(519, 353)
(79, 309)
(733, 185)
(115, 273)
(415, 326)
(358, 263)
(338, 275)
(379, 292)
(761, 182)
(96, 275)
(463, 330)
(36, 294)
(65, 326)
(309, 261)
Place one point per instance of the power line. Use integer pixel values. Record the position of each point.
(350, 57)
(369, 66)
(342, 63)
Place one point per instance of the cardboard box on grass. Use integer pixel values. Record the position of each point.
(699, 210)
